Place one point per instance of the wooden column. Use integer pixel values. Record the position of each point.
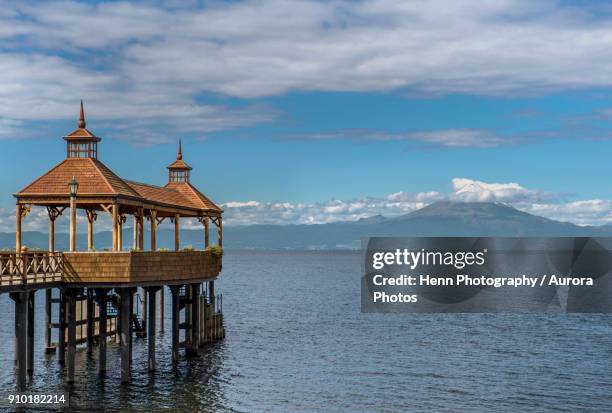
(126, 315)
(174, 289)
(220, 229)
(72, 223)
(153, 217)
(53, 214)
(20, 300)
(135, 237)
(115, 227)
(61, 340)
(177, 232)
(71, 315)
(140, 230)
(151, 292)
(120, 233)
(18, 218)
(91, 217)
(206, 222)
(161, 309)
(30, 339)
(118, 319)
(211, 293)
(90, 320)
(143, 311)
(48, 317)
(131, 324)
(195, 317)
(101, 298)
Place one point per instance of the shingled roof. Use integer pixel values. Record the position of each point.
(97, 180)
(93, 176)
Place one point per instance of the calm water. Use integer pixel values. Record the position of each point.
(296, 341)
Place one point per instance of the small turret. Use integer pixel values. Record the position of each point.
(178, 171)
(81, 143)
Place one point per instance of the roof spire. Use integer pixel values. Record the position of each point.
(81, 123)
(179, 155)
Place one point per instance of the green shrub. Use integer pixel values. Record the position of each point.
(215, 250)
(163, 250)
(188, 247)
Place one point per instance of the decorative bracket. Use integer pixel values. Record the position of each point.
(91, 215)
(25, 210)
(55, 212)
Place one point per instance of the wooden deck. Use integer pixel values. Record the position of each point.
(33, 270)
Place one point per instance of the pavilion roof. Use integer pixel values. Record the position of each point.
(96, 179)
(93, 176)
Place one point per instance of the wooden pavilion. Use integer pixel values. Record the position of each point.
(109, 279)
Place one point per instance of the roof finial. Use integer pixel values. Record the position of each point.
(179, 155)
(81, 123)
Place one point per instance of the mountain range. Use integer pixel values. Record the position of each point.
(442, 218)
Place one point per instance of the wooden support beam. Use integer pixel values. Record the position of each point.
(91, 218)
(101, 297)
(48, 317)
(122, 220)
(174, 289)
(140, 229)
(73, 223)
(90, 320)
(61, 340)
(71, 315)
(118, 320)
(115, 214)
(151, 292)
(195, 317)
(161, 310)
(211, 293)
(177, 232)
(220, 229)
(135, 232)
(30, 339)
(18, 217)
(131, 324)
(126, 316)
(143, 292)
(153, 220)
(53, 213)
(20, 300)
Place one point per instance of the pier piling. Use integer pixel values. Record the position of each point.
(195, 319)
(101, 297)
(126, 315)
(20, 299)
(90, 320)
(48, 319)
(30, 338)
(71, 316)
(174, 289)
(152, 292)
(61, 340)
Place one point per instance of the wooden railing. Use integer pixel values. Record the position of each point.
(30, 268)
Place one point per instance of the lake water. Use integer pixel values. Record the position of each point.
(297, 342)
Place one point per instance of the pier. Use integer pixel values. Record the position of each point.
(96, 296)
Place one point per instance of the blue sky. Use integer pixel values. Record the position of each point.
(309, 112)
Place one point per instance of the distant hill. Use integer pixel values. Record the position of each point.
(438, 219)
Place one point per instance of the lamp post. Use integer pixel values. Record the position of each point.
(73, 186)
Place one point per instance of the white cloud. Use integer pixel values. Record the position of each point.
(451, 138)
(143, 67)
(537, 202)
(477, 191)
